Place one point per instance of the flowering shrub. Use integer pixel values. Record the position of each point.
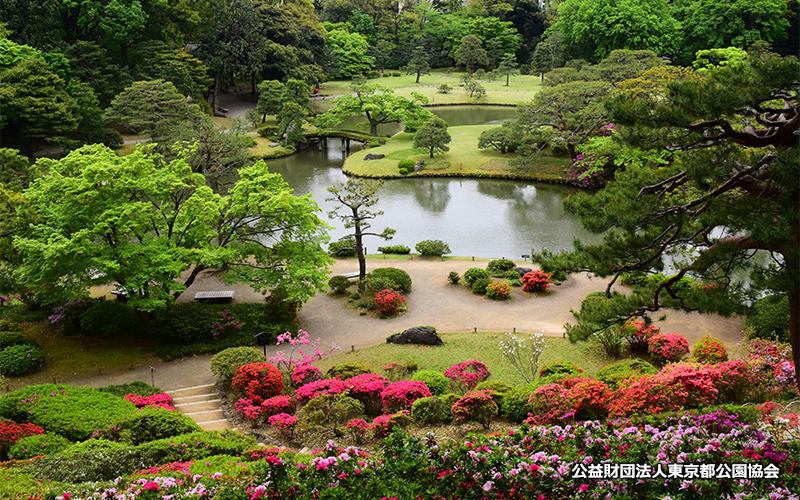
(387, 302)
(249, 411)
(305, 374)
(287, 364)
(367, 389)
(698, 380)
(21, 359)
(550, 404)
(647, 394)
(498, 290)
(668, 346)
(383, 425)
(357, 428)
(773, 364)
(11, 432)
(318, 388)
(588, 171)
(710, 351)
(589, 399)
(536, 281)
(475, 406)
(637, 334)
(257, 381)
(523, 352)
(161, 400)
(37, 445)
(67, 318)
(278, 404)
(225, 362)
(285, 423)
(226, 324)
(738, 381)
(466, 375)
(402, 394)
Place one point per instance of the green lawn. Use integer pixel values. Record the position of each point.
(460, 347)
(464, 158)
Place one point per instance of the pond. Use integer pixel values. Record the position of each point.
(476, 217)
(453, 115)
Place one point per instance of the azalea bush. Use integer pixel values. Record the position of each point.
(466, 375)
(346, 371)
(318, 388)
(475, 406)
(498, 290)
(298, 354)
(306, 374)
(11, 432)
(285, 423)
(358, 428)
(637, 333)
(667, 347)
(550, 404)
(388, 302)
(436, 382)
(536, 281)
(249, 411)
(383, 425)
(160, 400)
(402, 394)
(278, 404)
(367, 389)
(21, 359)
(613, 374)
(257, 381)
(710, 351)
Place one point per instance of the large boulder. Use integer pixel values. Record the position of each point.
(372, 156)
(416, 335)
(523, 270)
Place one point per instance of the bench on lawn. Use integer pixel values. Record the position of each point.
(216, 296)
(349, 275)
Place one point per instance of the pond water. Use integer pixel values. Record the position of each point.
(453, 115)
(476, 217)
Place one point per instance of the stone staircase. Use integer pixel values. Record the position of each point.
(203, 404)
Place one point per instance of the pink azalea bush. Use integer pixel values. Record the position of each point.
(467, 375)
(388, 302)
(318, 388)
(638, 334)
(475, 406)
(358, 429)
(161, 400)
(550, 404)
(383, 425)
(709, 350)
(285, 423)
(402, 394)
(367, 389)
(248, 410)
(668, 346)
(305, 374)
(283, 403)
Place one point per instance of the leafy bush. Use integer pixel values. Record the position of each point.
(589, 398)
(395, 249)
(405, 166)
(536, 281)
(305, 374)
(514, 406)
(475, 406)
(8, 326)
(550, 404)
(315, 389)
(225, 363)
(21, 359)
(400, 278)
(480, 284)
(432, 248)
(382, 426)
(498, 290)
(769, 318)
(453, 278)
(257, 381)
(329, 410)
(8, 339)
(497, 386)
(668, 346)
(427, 411)
(402, 394)
(347, 371)
(37, 445)
(367, 388)
(499, 267)
(610, 340)
(150, 424)
(638, 333)
(466, 375)
(615, 373)
(345, 247)
(560, 367)
(137, 387)
(109, 319)
(339, 284)
(357, 428)
(709, 350)
(67, 318)
(388, 302)
(279, 404)
(475, 273)
(436, 382)
(11, 432)
(444, 89)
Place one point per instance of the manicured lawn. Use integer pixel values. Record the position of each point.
(459, 347)
(464, 158)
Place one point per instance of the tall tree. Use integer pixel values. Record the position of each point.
(549, 53)
(355, 199)
(149, 107)
(470, 52)
(419, 63)
(508, 67)
(433, 136)
(352, 51)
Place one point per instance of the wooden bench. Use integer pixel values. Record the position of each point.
(218, 295)
(349, 275)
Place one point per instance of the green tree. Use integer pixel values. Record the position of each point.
(355, 198)
(270, 98)
(470, 52)
(549, 53)
(91, 64)
(149, 107)
(419, 63)
(508, 67)
(352, 51)
(433, 136)
(91, 127)
(151, 226)
(504, 138)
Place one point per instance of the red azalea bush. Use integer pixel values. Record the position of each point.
(383, 426)
(709, 350)
(358, 428)
(402, 394)
(285, 423)
(161, 400)
(318, 388)
(536, 281)
(738, 381)
(305, 374)
(248, 410)
(465, 376)
(550, 404)
(257, 381)
(367, 389)
(475, 406)
(589, 398)
(387, 302)
(278, 404)
(699, 381)
(647, 394)
(11, 432)
(638, 334)
(498, 290)
(668, 346)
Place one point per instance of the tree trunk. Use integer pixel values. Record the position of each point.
(215, 95)
(794, 332)
(418, 77)
(362, 260)
(253, 84)
(431, 151)
(572, 153)
(123, 48)
(508, 77)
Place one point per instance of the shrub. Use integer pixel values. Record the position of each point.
(160, 400)
(498, 290)
(329, 410)
(285, 423)
(427, 411)
(637, 334)
(769, 318)
(698, 380)
(497, 386)
(710, 351)
(388, 302)
(345, 247)
(150, 424)
(21, 359)
(480, 284)
(453, 278)
(67, 318)
(668, 346)
(318, 388)
(647, 394)
(406, 165)
(499, 267)
(257, 381)
(402, 394)
(738, 382)
(339, 284)
(11, 432)
(107, 319)
(357, 428)
(550, 404)
(615, 373)
(137, 387)
(523, 352)
(436, 382)
(514, 406)
(400, 278)
(444, 89)
(610, 340)
(225, 363)
(432, 248)
(395, 249)
(305, 374)
(383, 426)
(475, 406)
(9, 338)
(367, 389)
(536, 281)
(37, 445)
(560, 367)
(8, 326)
(347, 371)
(475, 273)
(466, 375)
(589, 398)
(249, 411)
(278, 404)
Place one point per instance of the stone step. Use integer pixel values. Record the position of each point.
(199, 397)
(193, 391)
(217, 425)
(210, 404)
(205, 415)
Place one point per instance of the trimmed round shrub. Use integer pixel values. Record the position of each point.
(769, 318)
(400, 278)
(427, 410)
(666, 347)
(339, 284)
(278, 404)
(499, 267)
(401, 395)
(305, 374)
(474, 273)
(347, 370)
(560, 367)
(466, 375)
(589, 398)
(367, 388)
(152, 423)
(475, 406)
(329, 410)
(406, 165)
(480, 284)
(515, 403)
(499, 290)
(11, 338)
(395, 250)
(432, 248)
(436, 382)
(225, 363)
(38, 445)
(550, 404)
(383, 425)
(453, 278)
(497, 386)
(21, 359)
(318, 388)
(536, 281)
(448, 400)
(615, 373)
(388, 302)
(257, 381)
(709, 350)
